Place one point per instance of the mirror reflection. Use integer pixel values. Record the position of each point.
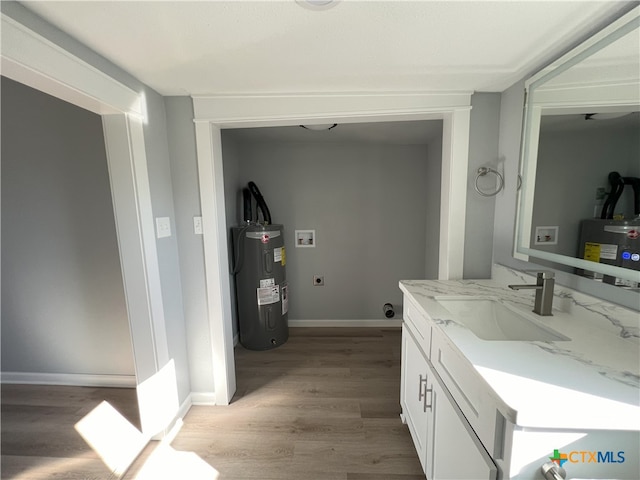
(588, 185)
(580, 200)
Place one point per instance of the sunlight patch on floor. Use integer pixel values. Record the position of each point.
(112, 437)
(166, 462)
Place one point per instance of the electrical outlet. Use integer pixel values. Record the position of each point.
(163, 227)
(318, 280)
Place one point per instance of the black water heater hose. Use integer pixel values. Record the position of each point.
(262, 205)
(246, 201)
(618, 183)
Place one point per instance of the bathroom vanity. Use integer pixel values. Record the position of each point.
(491, 390)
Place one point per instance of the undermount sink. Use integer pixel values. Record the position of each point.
(490, 319)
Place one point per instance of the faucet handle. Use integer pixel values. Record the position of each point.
(542, 274)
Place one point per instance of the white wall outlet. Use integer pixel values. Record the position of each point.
(163, 227)
(197, 225)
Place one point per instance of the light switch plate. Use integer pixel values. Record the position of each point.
(197, 225)
(163, 227)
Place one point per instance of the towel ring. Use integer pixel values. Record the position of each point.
(482, 171)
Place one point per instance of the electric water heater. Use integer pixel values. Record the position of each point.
(262, 295)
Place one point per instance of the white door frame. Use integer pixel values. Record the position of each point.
(33, 60)
(213, 113)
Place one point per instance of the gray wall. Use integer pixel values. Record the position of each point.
(233, 206)
(184, 173)
(572, 164)
(367, 203)
(63, 308)
(483, 152)
(155, 136)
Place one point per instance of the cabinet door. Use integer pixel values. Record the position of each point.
(458, 454)
(413, 393)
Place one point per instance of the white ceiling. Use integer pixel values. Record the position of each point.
(223, 47)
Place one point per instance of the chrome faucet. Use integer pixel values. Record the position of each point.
(551, 471)
(544, 293)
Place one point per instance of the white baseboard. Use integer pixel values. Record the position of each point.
(203, 398)
(169, 433)
(397, 322)
(72, 379)
(184, 408)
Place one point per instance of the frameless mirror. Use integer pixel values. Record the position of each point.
(579, 207)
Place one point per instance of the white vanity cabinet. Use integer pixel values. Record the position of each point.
(416, 391)
(458, 454)
(446, 444)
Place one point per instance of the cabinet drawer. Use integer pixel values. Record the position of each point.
(420, 325)
(457, 451)
(466, 387)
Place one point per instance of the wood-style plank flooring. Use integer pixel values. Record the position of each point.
(39, 440)
(324, 406)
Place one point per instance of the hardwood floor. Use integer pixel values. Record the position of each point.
(39, 440)
(324, 406)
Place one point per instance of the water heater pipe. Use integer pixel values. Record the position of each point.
(246, 201)
(262, 205)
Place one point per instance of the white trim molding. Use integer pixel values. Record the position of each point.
(62, 74)
(209, 152)
(71, 379)
(203, 398)
(453, 196)
(280, 110)
(30, 58)
(212, 113)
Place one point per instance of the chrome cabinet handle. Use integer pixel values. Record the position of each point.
(422, 394)
(424, 400)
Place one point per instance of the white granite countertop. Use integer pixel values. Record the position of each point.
(591, 381)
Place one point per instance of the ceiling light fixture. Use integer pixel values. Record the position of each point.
(605, 116)
(317, 4)
(320, 128)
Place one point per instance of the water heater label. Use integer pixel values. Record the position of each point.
(277, 254)
(267, 282)
(608, 252)
(592, 252)
(600, 251)
(268, 295)
(285, 299)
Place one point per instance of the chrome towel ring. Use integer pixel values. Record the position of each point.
(482, 171)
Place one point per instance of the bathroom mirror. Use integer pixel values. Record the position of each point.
(581, 123)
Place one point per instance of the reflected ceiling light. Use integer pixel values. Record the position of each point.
(320, 128)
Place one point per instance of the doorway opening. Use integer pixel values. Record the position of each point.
(212, 114)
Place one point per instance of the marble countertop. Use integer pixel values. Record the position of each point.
(591, 381)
